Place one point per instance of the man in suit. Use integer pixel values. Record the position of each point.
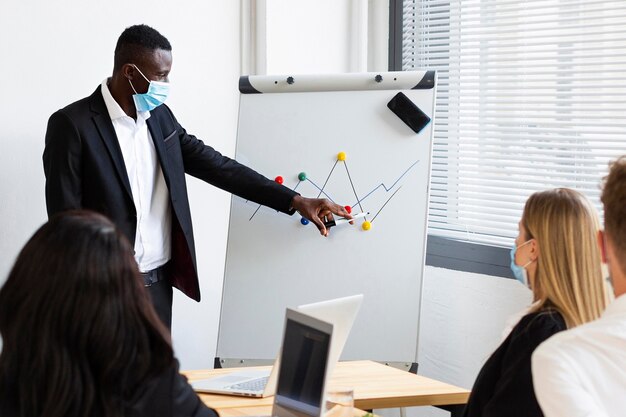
(122, 153)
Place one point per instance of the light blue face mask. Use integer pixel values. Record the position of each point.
(155, 96)
(520, 271)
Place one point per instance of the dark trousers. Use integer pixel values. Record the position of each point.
(161, 296)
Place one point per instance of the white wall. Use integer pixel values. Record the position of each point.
(462, 319)
(324, 36)
(461, 323)
(54, 53)
(307, 37)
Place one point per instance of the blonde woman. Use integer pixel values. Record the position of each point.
(557, 256)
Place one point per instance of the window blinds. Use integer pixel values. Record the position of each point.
(531, 95)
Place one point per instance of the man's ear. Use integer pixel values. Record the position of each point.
(602, 245)
(128, 71)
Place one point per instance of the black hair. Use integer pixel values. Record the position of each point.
(138, 40)
(80, 334)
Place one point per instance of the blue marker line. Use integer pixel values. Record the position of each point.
(321, 191)
(387, 189)
(381, 209)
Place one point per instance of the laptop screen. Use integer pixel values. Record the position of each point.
(302, 367)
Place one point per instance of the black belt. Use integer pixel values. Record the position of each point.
(152, 277)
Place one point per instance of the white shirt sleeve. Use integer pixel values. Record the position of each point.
(558, 388)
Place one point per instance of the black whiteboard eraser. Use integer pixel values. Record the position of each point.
(408, 112)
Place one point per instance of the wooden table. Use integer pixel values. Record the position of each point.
(375, 386)
(262, 410)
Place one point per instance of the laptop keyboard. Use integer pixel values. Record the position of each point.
(257, 384)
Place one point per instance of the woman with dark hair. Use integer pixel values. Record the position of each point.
(80, 336)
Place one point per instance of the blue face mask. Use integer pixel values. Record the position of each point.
(155, 96)
(519, 271)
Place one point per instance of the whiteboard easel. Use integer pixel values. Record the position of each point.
(295, 127)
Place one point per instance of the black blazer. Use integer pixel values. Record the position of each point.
(84, 168)
(504, 386)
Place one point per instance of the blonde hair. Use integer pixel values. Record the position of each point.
(569, 276)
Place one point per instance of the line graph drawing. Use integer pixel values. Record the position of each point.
(394, 188)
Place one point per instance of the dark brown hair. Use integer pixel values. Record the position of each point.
(614, 201)
(80, 336)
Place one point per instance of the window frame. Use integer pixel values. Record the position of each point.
(442, 252)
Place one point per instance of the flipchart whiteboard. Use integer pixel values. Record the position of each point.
(296, 128)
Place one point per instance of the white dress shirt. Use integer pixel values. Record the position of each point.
(582, 372)
(150, 193)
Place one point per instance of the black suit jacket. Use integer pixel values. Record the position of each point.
(504, 386)
(85, 169)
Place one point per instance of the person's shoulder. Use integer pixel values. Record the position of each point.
(588, 333)
(165, 118)
(162, 112)
(78, 107)
(561, 348)
(539, 325)
(548, 319)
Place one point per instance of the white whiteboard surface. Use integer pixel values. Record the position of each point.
(274, 262)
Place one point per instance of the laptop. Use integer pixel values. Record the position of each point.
(303, 367)
(341, 312)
